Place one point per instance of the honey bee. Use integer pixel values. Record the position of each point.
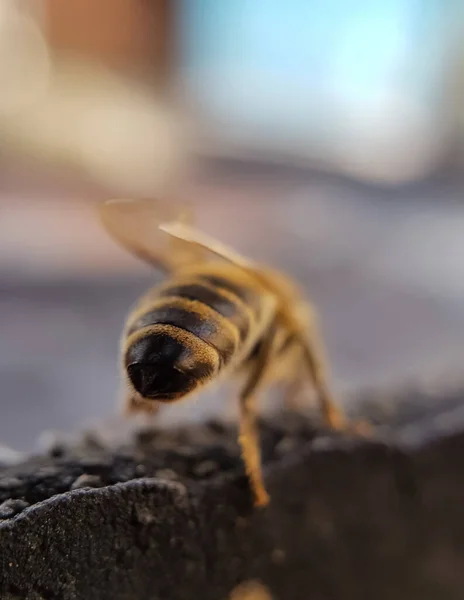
(216, 315)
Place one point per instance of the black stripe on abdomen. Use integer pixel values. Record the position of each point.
(245, 293)
(206, 294)
(202, 327)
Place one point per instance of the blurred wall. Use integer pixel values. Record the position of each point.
(356, 86)
(120, 33)
(85, 89)
(368, 89)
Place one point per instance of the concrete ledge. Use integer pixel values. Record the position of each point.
(170, 516)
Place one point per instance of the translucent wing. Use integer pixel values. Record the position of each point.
(184, 232)
(135, 225)
(162, 236)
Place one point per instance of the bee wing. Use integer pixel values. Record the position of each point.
(163, 237)
(183, 232)
(135, 225)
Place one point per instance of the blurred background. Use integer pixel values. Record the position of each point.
(323, 136)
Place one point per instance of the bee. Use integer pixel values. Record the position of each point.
(215, 315)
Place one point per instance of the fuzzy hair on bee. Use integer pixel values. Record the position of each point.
(216, 315)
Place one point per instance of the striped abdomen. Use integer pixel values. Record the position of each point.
(188, 333)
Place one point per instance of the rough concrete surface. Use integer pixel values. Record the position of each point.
(168, 515)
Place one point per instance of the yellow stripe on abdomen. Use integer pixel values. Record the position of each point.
(196, 318)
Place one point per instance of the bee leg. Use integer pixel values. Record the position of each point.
(249, 438)
(134, 405)
(313, 355)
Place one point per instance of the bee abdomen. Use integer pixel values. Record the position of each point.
(223, 300)
(219, 312)
(196, 319)
(205, 294)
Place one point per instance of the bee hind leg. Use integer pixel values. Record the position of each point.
(133, 405)
(333, 415)
(249, 437)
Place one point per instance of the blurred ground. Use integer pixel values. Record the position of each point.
(383, 268)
